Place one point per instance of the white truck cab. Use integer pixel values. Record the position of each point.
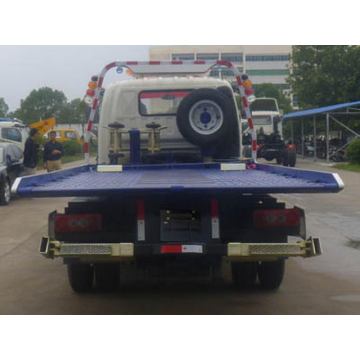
(138, 103)
(266, 115)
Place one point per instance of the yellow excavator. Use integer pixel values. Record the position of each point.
(43, 126)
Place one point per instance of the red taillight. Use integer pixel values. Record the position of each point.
(90, 92)
(78, 223)
(276, 218)
(181, 249)
(171, 249)
(291, 147)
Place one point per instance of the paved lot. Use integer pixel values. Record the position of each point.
(329, 284)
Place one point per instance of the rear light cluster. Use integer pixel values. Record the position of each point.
(78, 223)
(181, 249)
(291, 146)
(277, 218)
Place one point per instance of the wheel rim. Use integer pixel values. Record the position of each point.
(206, 117)
(7, 192)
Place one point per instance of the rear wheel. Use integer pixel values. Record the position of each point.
(107, 277)
(5, 192)
(271, 274)
(291, 158)
(244, 274)
(81, 277)
(285, 158)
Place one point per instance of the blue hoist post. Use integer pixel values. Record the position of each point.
(135, 151)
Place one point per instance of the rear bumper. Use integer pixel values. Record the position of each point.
(127, 251)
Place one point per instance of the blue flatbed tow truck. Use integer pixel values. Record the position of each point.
(177, 203)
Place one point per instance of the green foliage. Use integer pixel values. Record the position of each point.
(41, 104)
(353, 152)
(46, 102)
(73, 112)
(325, 75)
(349, 167)
(72, 147)
(273, 91)
(4, 108)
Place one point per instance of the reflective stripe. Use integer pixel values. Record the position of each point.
(195, 249)
(141, 230)
(181, 249)
(215, 230)
(140, 220)
(15, 185)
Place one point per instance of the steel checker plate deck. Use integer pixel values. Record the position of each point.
(205, 178)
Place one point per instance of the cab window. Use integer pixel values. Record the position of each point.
(160, 102)
(11, 134)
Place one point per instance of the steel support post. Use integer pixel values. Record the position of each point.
(302, 139)
(327, 136)
(314, 125)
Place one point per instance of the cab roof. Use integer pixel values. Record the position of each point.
(176, 82)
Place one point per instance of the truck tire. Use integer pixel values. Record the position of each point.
(271, 274)
(5, 192)
(81, 277)
(205, 117)
(292, 158)
(244, 274)
(106, 277)
(285, 158)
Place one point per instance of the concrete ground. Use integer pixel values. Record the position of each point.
(329, 284)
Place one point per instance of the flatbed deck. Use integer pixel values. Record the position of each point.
(200, 178)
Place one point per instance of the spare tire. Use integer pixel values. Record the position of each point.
(205, 117)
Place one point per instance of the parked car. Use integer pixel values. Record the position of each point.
(10, 168)
(13, 131)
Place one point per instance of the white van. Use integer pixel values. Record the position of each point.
(13, 131)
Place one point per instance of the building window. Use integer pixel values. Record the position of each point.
(233, 57)
(267, 72)
(183, 57)
(221, 72)
(267, 57)
(208, 56)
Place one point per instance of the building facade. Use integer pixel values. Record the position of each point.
(263, 63)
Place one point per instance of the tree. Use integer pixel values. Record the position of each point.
(41, 104)
(4, 108)
(74, 112)
(325, 75)
(273, 91)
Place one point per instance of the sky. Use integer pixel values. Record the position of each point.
(65, 68)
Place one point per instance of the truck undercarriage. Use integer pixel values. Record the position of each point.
(178, 237)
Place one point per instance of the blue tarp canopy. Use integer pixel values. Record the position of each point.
(321, 110)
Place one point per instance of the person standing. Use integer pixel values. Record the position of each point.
(31, 153)
(53, 151)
